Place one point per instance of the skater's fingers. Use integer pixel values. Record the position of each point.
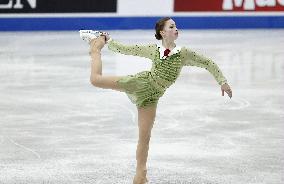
(230, 93)
(106, 35)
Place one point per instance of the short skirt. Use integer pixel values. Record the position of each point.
(141, 89)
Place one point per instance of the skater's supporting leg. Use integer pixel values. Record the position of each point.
(146, 118)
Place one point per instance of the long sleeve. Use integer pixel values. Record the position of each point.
(192, 58)
(147, 51)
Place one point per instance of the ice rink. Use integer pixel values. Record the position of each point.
(56, 128)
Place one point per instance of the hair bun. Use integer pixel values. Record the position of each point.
(158, 36)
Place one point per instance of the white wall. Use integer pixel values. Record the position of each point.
(145, 7)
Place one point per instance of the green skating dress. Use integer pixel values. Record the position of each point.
(146, 87)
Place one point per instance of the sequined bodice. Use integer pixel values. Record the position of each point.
(166, 71)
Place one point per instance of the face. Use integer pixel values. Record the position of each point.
(170, 30)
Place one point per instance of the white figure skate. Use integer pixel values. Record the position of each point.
(88, 35)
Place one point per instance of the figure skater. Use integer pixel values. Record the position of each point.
(145, 88)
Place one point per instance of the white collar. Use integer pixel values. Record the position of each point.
(162, 49)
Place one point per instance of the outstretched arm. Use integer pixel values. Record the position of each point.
(192, 58)
(147, 51)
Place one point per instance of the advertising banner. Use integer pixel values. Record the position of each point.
(228, 5)
(57, 6)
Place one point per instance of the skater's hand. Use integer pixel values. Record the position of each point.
(106, 35)
(225, 87)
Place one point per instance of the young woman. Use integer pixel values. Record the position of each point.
(145, 88)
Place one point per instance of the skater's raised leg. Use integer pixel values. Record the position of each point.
(96, 78)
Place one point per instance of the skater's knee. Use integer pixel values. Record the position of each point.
(144, 142)
(95, 80)
(145, 139)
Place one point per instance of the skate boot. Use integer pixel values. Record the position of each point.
(88, 35)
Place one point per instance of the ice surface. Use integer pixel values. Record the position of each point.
(55, 127)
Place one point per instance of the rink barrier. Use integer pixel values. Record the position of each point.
(128, 23)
